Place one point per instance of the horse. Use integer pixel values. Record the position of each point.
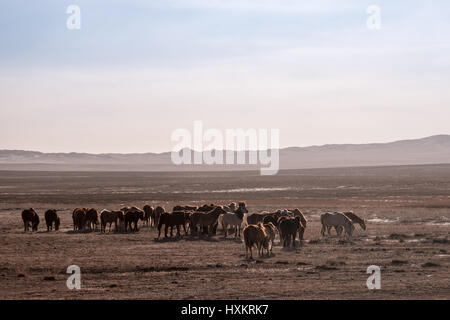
(51, 218)
(279, 220)
(79, 218)
(149, 215)
(336, 220)
(270, 237)
(298, 213)
(92, 218)
(353, 218)
(30, 219)
(157, 213)
(256, 218)
(288, 230)
(205, 219)
(173, 219)
(132, 216)
(270, 218)
(254, 235)
(107, 216)
(234, 219)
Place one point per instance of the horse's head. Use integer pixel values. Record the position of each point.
(57, 222)
(242, 207)
(363, 224)
(218, 210)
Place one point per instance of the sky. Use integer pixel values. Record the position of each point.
(138, 70)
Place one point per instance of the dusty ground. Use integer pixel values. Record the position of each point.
(408, 234)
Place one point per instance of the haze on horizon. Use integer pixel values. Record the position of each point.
(138, 70)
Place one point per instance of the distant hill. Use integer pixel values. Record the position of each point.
(430, 150)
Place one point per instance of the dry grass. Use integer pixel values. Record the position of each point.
(411, 248)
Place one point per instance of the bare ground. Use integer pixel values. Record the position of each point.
(408, 234)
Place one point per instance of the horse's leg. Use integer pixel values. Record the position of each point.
(329, 230)
(224, 229)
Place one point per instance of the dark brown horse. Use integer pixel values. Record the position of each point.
(288, 230)
(158, 212)
(51, 218)
(79, 218)
(149, 215)
(30, 219)
(92, 218)
(298, 213)
(174, 219)
(132, 216)
(110, 217)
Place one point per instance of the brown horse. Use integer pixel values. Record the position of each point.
(173, 219)
(110, 217)
(149, 215)
(79, 218)
(92, 218)
(301, 231)
(270, 218)
(288, 230)
(256, 218)
(51, 218)
(132, 216)
(205, 219)
(30, 219)
(254, 235)
(158, 212)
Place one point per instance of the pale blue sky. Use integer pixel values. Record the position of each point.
(137, 70)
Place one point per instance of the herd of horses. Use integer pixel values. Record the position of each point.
(259, 229)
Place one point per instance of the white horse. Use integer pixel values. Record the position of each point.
(337, 220)
(234, 220)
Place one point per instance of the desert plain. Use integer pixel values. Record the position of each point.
(406, 209)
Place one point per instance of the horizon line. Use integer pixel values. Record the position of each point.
(226, 150)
